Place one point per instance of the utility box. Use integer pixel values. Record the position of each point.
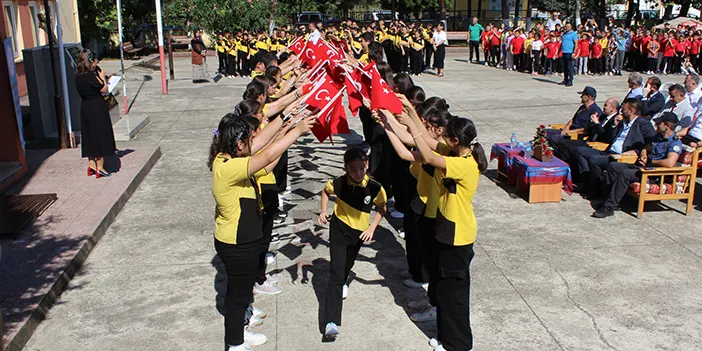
(40, 86)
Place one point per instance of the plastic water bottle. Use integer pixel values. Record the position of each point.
(529, 152)
(513, 141)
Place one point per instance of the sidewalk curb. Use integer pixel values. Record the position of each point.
(19, 340)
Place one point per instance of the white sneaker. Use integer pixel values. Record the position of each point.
(273, 278)
(242, 347)
(420, 305)
(259, 313)
(331, 330)
(253, 339)
(270, 258)
(345, 292)
(405, 275)
(426, 316)
(397, 215)
(255, 321)
(415, 285)
(266, 289)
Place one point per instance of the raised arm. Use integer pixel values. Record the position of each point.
(273, 151)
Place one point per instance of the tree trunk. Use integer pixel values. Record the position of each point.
(577, 13)
(603, 13)
(684, 8)
(443, 10)
(505, 12)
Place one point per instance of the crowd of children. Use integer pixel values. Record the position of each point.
(599, 51)
(440, 158)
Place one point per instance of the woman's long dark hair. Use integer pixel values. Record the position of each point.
(436, 102)
(376, 52)
(386, 73)
(254, 90)
(247, 107)
(464, 130)
(402, 82)
(85, 62)
(226, 137)
(439, 118)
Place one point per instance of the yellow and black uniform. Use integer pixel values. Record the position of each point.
(456, 229)
(238, 215)
(230, 47)
(220, 47)
(417, 56)
(253, 47)
(237, 231)
(262, 45)
(242, 48)
(269, 197)
(455, 222)
(351, 217)
(404, 43)
(428, 47)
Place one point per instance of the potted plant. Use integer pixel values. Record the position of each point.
(542, 149)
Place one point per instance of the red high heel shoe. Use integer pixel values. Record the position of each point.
(101, 174)
(91, 172)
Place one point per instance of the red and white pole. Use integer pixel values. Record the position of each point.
(121, 57)
(161, 55)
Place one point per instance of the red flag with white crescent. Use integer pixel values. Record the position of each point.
(297, 45)
(322, 96)
(382, 97)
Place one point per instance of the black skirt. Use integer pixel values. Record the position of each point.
(97, 136)
(440, 57)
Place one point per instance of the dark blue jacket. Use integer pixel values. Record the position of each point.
(652, 106)
(640, 135)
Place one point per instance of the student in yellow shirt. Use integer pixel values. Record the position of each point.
(230, 47)
(238, 215)
(349, 228)
(220, 47)
(456, 227)
(242, 47)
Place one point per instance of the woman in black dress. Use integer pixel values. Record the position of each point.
(97, 137)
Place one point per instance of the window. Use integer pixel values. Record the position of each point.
(8, 11)
(35, 23)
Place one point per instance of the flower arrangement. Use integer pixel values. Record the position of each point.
(543, 151)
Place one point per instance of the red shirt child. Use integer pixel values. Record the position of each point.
(681, 46)
(596, 50)
(517, 45)
(551, 50)
(669, 47)
(695, 46)
(584, 47)
(644, 44)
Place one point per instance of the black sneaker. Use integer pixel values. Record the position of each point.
(604, 212)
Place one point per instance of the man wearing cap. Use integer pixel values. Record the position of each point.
(582, 116)
(632, 135)
(662, 151)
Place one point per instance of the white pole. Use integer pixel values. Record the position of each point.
(121, 57)
(64, 83)
(159, 25)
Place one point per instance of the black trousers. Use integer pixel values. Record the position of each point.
(342, 256)
(536, 61)
(222, 62)
(440, 57)
(416, 61)
(596, 66)
(364, 114)
(400, 172)
(677, 63)
(474, 47)
(568, 70)
(269, 197)
(404, 61)
(428, 52)
(495, 55)
(380, 160)
(590, 164)
(244, 68)
(453, 296)
(652, 61)
(519, 61)
(231, 63)
(241, 264)
(619, 178)
(281, 173)
(668, 64)
(427, 240)
(413, 249)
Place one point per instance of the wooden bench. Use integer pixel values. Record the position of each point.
(683, 178)
(180, 41)
(130, 50)
(572, 135)
(457, 36)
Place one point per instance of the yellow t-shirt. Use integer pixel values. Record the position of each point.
(355, 200)
(364, 59)
(237, 215)
(455, 222)
(527, 45)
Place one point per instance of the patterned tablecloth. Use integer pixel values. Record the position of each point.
(503, 149)
(535, 171)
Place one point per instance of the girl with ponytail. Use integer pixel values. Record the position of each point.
(234, 161)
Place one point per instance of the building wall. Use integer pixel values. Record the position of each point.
(24, 22)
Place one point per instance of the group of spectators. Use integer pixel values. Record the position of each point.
(554, 48)
(647, 124)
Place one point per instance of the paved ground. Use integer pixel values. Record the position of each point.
(545, 277)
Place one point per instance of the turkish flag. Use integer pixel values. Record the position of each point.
(338, 122)
(308, 56)
(382, 97)
(331, 121)
(297, 45)
(354, 91)
(342, 45)
(323, 94)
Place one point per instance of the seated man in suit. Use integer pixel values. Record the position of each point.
(635, 82)
(631, 135)
(653, 101)
(662, 151)
(600, 128)
(679, 105)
